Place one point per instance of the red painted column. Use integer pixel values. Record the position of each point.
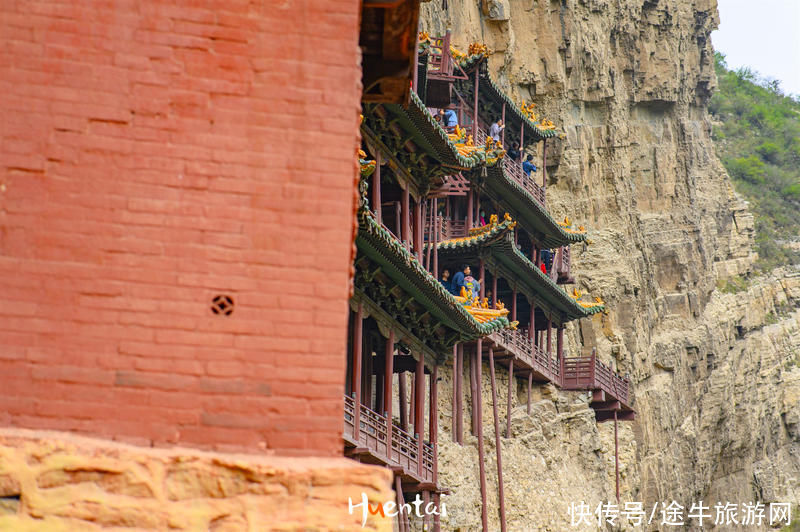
(549, 337)
(494, 290)
(376, 188)
(356, 377)
(544, 168)
(388, 379)
(435, 238)
(406, 214)
(433, 410)
(470, 215)
(460, 405)
(419, 405)
(497, 444)
(478, 414)
(473, 393)
(514, 305)
(402, 390)
(481, 278)
(455, 393)
(418, 231)
(530, 385)
(522, 141)
(503, 132)
(511, 386)
(560, 349)
(475, 109)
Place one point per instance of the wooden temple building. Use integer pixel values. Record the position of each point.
(423, 190)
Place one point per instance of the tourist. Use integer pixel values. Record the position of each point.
(513, 153)
(482, 218)
(446, 281)
(528, 166)
(458, 280)
(473, 286)
(546, 256)
(496, 129)
(449, 118)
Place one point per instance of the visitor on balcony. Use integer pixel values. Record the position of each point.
(528, 166)
(458, 279)
(446, 281)
(513, 153)
(547, 259)
(449, 119)
(496, 130)
(473, 286)
(482, 218)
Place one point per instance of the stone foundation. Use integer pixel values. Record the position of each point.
(60, 482)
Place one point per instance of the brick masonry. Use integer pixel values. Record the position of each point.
(58, 483)
(154, 155)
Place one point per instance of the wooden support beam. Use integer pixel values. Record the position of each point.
(560, 349)
(436, 237)
(503, 131)
(358, 343)
(418, 230)
(419, 411)
(514, 305)
(475, 107)
(455, 393)
(405, 211)
(549, 337)
(530, 385)
(510, 390)
(437, 501)
(494, 290)
(616, 455)
(433, 420)
(460, 404)
(544, 168)
(398, 489)
(388, 379)
(481, 456)
(473, 393)
(497, 443)
(470, 215)
(482, 278)
(401, 387)
(376, 187)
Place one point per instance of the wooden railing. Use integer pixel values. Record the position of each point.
(521, 346)
(513, 169)
(446, 228)
(400, 448)
(588, 373)
(562, 263)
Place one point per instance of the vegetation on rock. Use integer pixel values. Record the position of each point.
(757, 136)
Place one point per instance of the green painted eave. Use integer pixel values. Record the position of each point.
(404, 269)
(531, 215)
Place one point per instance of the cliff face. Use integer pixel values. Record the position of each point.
(717, 374)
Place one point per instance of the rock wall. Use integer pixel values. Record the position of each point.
(57, 482)
(715, 373)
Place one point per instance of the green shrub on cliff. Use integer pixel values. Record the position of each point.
(757, 138)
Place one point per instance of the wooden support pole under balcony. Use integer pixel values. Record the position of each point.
(497, 445)
(616, 455)
(388, 378)
(358, 343)
(530, 385)
(437, 501)
(401, 388)
(478, 411)
(436, 232)
(376, 188)
(433, 413)
(473, 393)
(560, 349)
(475, 107)
(419, 412)
(461, 393)
(544, 168)
(455, 393)
(411, 403)
(549, 336)
(522, 140)
(532, 326)
(510, 391)
(406, 214)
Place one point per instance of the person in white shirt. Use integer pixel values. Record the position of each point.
(496, 130)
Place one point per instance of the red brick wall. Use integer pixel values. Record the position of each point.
(152, 156)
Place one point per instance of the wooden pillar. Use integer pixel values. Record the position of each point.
(376, 188)
(475, 108)
(473, 392)
(544, 167)
(437, 501)
(426, 498)
(419, 409)
(412, 403)
(532, 329)
(418, 230)
(401, 388)
(478, 417)
(436, 238)
(358, 343)
(455, 393)
(460, 404)
(514, 305)
(406, 214)
(433, 411)
(549, 336)
(522, 140)
(497, 444)
(616, 455)
(494, 290)
(398, 489)
(530, 385)
(470, 214)
(388, 379)
(510, 390)
(503, 132)
(560, 349)
(482, 278)
(398, 220)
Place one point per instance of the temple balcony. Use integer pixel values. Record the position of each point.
(518, 345)
(379, 441)
(610, 391)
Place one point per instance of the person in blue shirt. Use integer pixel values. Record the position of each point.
(458, 280)
(528, 165)
(449, 118)
(446, 281)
